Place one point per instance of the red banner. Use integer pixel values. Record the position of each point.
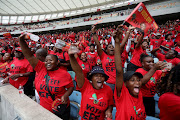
(7, 35)
(141, 18)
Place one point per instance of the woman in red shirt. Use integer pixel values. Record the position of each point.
(151, 75)
(97, 98)
(169, 91)
(60, 82)
(82, 61)
(140, 48)
(127, 94)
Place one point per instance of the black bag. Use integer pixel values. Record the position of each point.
(58, 108)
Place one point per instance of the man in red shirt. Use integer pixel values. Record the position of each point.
(156, 42)
(169, 57)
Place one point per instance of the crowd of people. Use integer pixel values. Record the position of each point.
(64, 22)
(101, 71)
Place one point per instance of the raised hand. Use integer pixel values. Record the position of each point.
(160, 65)
(93, 30)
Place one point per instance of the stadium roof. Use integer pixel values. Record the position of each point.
(24, 11)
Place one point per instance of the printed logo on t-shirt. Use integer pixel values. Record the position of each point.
(88, 56)
(152, 79)
(110, 59)
(94, 97)
(12, 66)
(83, 66)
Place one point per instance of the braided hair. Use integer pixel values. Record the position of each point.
(169, 83)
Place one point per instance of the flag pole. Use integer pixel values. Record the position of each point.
(123, 22)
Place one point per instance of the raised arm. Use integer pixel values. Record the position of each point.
(140, 39)
(95, 37)
(77, 69)
(125, 38)
(158, 66)
(118, 63)
(154, 51)
(27, 51)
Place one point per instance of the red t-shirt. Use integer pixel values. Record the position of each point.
(174, 61)
(177, 49)
(59, 80)
(168, 44)
(124, 57)
(95, 102)
(148, 90)
(108, 65)
(136, 56)
(129, 107)
(91, 58)
(61, 56)
(169, 105)
(156, 42)
(17, 67)
(87, 49)
(84, 65)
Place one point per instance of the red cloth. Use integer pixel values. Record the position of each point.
(148, 90)
(126, 103)
(91, 58)
(91, 109)
(59, 80)
(136, 56)
(17, 67)
(108, 65)
(174, 61)
(177, 49)
(169, 105)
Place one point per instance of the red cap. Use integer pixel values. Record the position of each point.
(18, 49)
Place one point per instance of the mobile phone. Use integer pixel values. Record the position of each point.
(164, 48)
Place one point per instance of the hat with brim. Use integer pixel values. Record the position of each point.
(97, 69)
(127, 76)
(18, 49)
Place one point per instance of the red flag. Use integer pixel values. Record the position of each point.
(141, 18)
(7, 35)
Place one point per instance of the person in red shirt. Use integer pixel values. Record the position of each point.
(151, 75)
(4, 64)
(127, 94)
(156, 42)
(169, 91)
(168, 42)
(107, 60)
(82, 61)
(92, 56)
(97, 98)
(19, 71)
(140, 48)
(60, 82)
(169, 57)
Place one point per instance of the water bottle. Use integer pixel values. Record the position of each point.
(21, 90)
(33, 37)
(60, 44)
